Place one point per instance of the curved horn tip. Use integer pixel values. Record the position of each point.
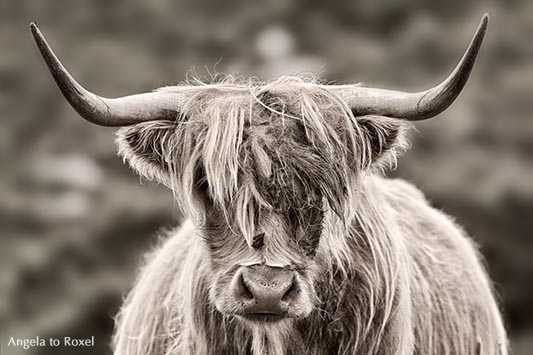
(102, 111)
(34, 28)
(36, 32)
(484, 22)
(485, 19)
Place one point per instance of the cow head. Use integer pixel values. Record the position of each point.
(267, 171)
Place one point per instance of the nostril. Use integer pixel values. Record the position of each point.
(291, 292)
(241, 290)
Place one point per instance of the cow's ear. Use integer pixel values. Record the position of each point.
(383, 139)
(145, 147)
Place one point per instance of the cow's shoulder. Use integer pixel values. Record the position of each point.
(417, 217)
(399, 194)
(403, 190)
(173, 242)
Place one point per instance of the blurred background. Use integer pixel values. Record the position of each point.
(75, 222)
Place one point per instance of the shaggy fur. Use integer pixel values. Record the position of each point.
(289, 164)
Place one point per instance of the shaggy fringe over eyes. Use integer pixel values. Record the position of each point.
(242, 140)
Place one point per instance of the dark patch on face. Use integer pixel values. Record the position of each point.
(258, 241)
(307, 228)
(291, 185)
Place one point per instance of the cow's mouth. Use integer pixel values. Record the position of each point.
(264, 317)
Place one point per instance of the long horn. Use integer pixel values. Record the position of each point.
(103, 111)
(420, 105)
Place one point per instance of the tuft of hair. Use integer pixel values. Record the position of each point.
(247, 146)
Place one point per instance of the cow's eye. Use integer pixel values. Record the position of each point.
(258, 241)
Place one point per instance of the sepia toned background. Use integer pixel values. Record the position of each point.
(75, 222)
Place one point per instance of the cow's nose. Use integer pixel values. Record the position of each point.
(266, 290)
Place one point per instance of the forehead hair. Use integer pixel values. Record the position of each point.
(283, 145)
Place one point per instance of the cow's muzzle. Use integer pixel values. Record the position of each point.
(265, 293)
